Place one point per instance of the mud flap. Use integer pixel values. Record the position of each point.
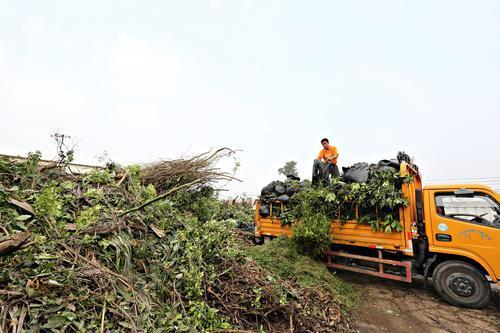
(428, 265)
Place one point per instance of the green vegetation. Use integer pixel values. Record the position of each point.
(74, 260)
(283, 258)
(289, 169)
(84, 258)
(311, 210)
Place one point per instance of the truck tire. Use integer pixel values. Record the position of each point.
(461, 284)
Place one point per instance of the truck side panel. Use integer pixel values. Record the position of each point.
(272, 227)
(353, 233)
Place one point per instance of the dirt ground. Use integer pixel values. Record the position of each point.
(390, 306)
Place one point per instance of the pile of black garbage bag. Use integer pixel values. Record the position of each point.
(279, 191)
(360, 172)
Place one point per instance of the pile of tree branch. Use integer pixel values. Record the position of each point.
(125, 249)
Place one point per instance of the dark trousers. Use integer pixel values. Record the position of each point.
(322, 171)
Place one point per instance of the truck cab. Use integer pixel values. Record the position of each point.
(462, 224)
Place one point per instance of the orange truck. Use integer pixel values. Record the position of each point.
(451, 234)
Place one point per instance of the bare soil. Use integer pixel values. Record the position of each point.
(391, 306)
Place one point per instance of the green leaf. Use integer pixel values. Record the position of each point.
(31, 292)
(23, 217)
(68, 315)
(55, 322)
(21, 226)
(125, 324)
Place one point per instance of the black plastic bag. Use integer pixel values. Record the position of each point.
(268, 189)
(386, 168)
(358, 173)
(393, 163)
(404, 157)
(264, 211)
(269, 198)
(245, 226)
(290, 191)
(279, 189)
(283, 198)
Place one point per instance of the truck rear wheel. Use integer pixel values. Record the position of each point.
(461, 284)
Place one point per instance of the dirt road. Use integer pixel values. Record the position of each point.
(388, 306)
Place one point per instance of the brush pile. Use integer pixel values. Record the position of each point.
(139, 250)
(166, 174)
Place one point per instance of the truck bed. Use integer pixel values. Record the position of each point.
(356, 234)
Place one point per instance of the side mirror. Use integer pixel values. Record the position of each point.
(464, 192)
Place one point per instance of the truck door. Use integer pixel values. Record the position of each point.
(466, 222)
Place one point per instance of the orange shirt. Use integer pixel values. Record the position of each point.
(325, 154)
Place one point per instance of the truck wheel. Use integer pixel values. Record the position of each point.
(258, 240)
(461, 284)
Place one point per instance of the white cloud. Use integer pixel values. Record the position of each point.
(34, 24)
(4, 76)
(137, 116)
(143, 70)
(396, 83)
(3, 58)
(43, 99)
(155, 91)
(31, 108)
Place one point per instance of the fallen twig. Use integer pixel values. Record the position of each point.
(125, 175)
(10, 293)
(103, 312)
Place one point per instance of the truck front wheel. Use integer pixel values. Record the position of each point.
(461, 284)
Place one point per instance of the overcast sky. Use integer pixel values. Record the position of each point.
(144, 80)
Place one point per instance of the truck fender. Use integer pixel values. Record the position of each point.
(470, 257)
(428, 264)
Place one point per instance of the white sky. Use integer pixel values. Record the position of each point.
(144, 80)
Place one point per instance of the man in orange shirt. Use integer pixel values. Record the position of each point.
(326, 163)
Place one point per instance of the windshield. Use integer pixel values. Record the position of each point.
(479, 208)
